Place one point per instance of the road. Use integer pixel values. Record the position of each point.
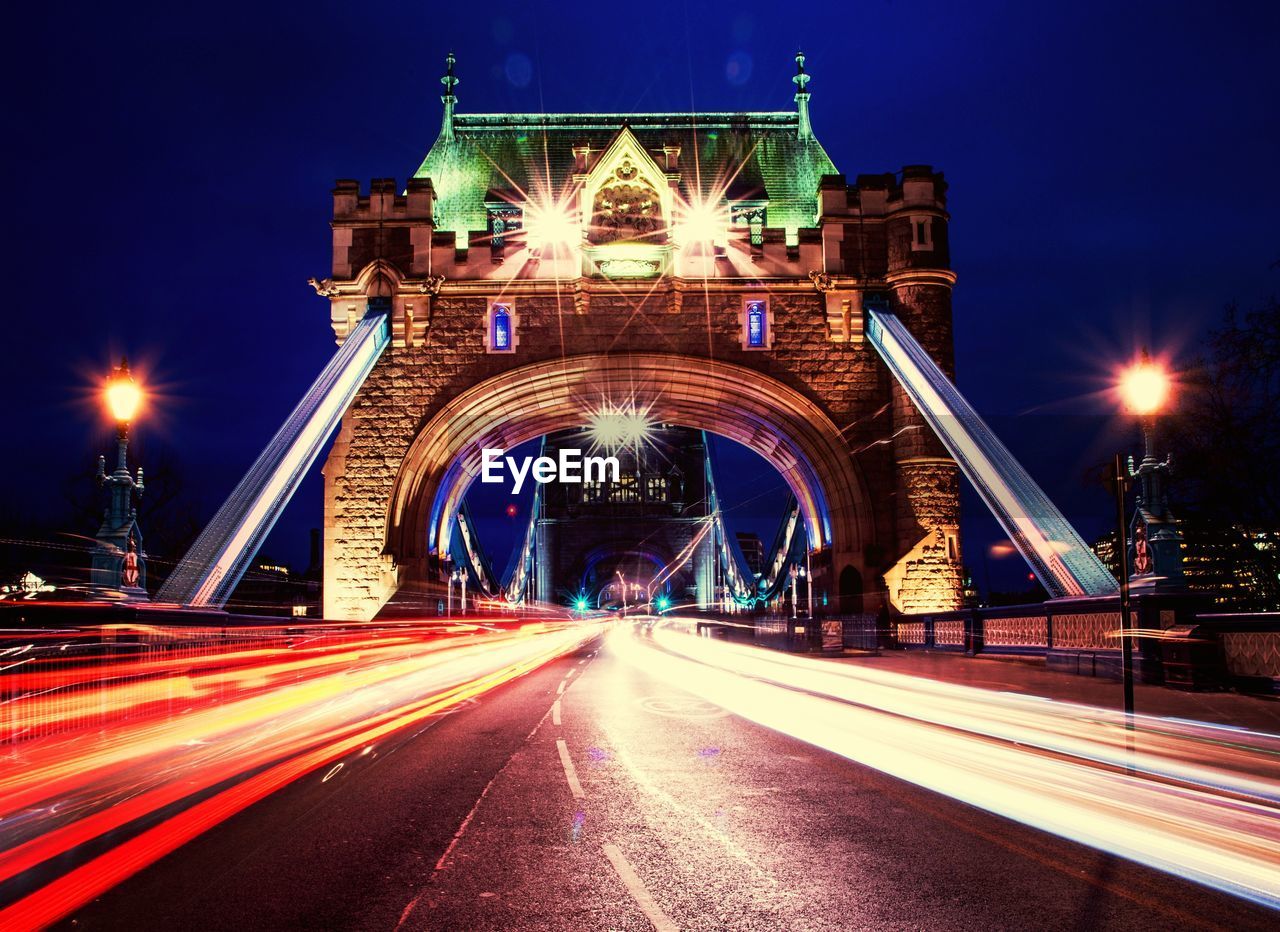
(595, 793)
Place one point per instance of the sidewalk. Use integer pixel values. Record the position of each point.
(1028, 675)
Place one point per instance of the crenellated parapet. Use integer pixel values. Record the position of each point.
(383, 224)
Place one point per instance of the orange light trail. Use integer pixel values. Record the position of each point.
(95, 748)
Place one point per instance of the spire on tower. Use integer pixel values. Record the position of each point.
(450, 81)
(801, 81)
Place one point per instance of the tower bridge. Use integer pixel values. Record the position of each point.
(712, 271)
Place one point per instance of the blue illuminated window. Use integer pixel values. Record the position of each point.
(757, 324)
(500, 329)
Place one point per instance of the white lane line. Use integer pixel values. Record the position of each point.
(560, 688)
(555, 712)
(570, 773)
(639, 892)
(567, 675)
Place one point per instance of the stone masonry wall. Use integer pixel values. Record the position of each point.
(410, 383)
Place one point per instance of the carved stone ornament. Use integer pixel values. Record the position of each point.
(629, 268)
(628, 208)
(325, 288)
(431, 285)
(822, 281)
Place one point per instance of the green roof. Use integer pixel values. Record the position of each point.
(766, 155)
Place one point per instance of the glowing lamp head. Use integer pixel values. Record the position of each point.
(1144, 387)
(662, 603)
(123, 395)
(580, 604)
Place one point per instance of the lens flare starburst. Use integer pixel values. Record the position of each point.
(701, 223)
(552, 224)
(613, 427)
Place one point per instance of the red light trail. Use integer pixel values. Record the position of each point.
(106, 731)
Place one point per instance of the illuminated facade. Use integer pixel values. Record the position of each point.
(707, 268)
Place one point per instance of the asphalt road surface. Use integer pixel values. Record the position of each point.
(587, 795)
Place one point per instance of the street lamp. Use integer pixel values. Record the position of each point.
(1144, 388)
(123, 396)
(118, 561)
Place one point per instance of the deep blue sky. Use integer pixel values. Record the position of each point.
(1112, 170)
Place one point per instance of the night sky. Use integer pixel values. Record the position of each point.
(1112, 170)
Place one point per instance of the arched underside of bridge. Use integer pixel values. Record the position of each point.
(783, 426)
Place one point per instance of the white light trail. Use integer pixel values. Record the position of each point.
(1198, 803)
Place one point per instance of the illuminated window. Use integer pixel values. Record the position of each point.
(626, 489)
(757, 324)
(757, 321)
(655, 488)
(501, 328)
(500, 333)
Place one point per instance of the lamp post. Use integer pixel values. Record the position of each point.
(1144, 388)
(118, 561)
(808, 577)
(1121, 482)
(622, 580)
(795, 603)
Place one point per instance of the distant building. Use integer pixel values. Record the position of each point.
(752, 550)
(26, 586)
(1233, 567)
(272, 588)
(1104, 548)
(970, 591)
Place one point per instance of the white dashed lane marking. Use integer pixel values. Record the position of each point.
(639, 892)
(570, 772)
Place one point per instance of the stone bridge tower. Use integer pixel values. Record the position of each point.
(710, 269)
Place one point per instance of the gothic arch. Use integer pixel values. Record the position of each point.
(379, 279)
(778, 422)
